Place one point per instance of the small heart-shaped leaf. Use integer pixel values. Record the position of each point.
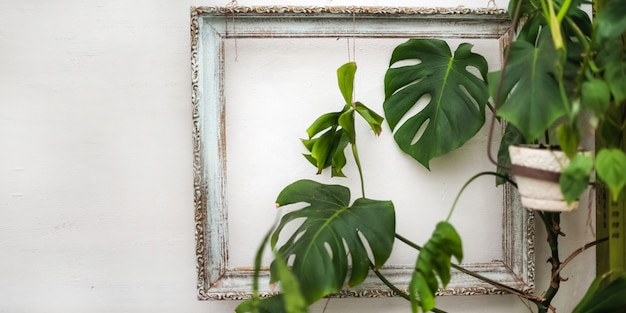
(611, 168)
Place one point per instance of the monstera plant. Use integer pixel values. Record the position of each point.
(563, 78)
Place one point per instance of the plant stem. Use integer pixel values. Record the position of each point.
(477, 276)
(587, 54)
(469, 182)
(389, 284)
(355, 152)
(555, 27)
(496, 98)
(551, 221)
(396, 289)
(563, 10)
(577, 252)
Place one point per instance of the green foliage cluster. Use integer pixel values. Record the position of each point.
(563, 74)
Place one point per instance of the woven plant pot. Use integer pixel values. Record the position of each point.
(537, 169)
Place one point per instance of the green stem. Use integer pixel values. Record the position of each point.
(388, 283)
(476, 275)
(579, 34)
(355, 152)
(469, 182)
(564, 99)
(563, 10)
(587, 54)
(544, 9)
(555, 27)
(257, 268)
(396, 289)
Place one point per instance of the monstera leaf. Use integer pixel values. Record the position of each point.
(529, 96)
(331, 231)
(433, 261)
(456, 110)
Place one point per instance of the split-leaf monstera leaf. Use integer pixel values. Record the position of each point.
(456, 85)
(332, 237)
(529, 95)
(433, 261)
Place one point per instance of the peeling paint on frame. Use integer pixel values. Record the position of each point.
(216, 280)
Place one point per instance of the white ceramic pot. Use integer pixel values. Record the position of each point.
(536, 171)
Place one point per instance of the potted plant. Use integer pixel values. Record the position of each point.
(563, 78)
(559, 68)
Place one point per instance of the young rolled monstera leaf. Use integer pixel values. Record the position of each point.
(331, 133)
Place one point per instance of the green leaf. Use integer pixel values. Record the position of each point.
(534, 20)
(456, 110)
(529, 96)
(275, 304)
(323, 122)
(338, 160)
(610, 20)
(294, 301)
(569, 139)
(322, 149)
(346, 121)
(327, 149)
(606, 294)
(616, 78)
(575, 48)
(345, 77)
(611, 168)
(372, 118)
(309, 158)
(596, 96)
(511, 136)
(610, 130)
(575, 178)
(331, 231)
(611, 58)
(433, 261)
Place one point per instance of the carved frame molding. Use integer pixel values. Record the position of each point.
(210, 26)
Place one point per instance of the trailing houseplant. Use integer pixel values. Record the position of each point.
(563, 78)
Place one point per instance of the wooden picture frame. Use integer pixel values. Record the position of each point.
(209, 29)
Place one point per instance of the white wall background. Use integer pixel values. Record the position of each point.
(96, 207)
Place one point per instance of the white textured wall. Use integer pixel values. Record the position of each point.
(96, 211)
